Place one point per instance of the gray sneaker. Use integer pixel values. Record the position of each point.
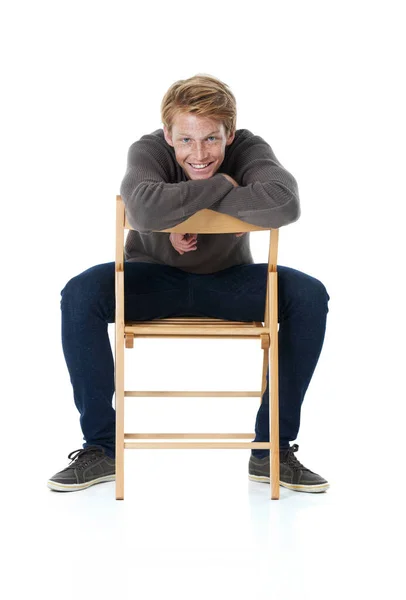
(292, 474)
(89, 466)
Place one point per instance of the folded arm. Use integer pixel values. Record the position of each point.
(266, 196)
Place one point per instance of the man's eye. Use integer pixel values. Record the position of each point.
(212, 137)
(183, 139)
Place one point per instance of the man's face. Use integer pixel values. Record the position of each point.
(198, 142)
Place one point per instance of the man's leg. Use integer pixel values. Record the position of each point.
(238, 293)
(88, 305)
(302, 314)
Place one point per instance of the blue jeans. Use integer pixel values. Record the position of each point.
(159, 291)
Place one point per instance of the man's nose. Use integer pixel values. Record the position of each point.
(200, 152)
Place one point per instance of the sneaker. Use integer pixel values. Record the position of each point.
(89, 466)
(292, 474)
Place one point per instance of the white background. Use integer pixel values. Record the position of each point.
(323, 84)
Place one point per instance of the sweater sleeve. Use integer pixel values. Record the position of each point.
(268, 194)
(152, 201)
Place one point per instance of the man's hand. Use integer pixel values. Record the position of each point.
(230, 179)
(183, 242)
(235, 184)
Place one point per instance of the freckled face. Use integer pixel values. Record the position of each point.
(199, 144)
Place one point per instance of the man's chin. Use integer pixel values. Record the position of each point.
(197, 178)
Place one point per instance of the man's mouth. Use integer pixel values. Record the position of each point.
(202, 167)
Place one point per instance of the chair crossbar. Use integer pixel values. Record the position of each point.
(189, 436)
(197, 445)
(156, 330)
(195, 394)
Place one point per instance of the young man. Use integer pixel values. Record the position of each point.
(198, 160)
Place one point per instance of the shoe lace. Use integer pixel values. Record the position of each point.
(290, 459)
(83, 457)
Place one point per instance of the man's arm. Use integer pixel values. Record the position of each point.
(152, 202)
(267, 194)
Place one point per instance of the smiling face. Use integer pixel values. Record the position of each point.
(199, 144)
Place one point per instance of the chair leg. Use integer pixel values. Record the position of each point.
(265, 364)
(119, 426)
(119, 445)
(274, 387)
(119, 387)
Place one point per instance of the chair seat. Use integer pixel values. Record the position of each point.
(201, 326)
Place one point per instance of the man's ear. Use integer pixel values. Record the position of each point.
(230, 138)
(168, 136)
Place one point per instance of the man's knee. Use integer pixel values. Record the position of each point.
(89, 287)
(316, 290)
(302, 288)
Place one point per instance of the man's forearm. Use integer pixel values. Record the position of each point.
(155, 205)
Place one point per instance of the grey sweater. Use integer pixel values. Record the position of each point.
(158, 195)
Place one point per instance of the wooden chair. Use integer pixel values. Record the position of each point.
(204, 221)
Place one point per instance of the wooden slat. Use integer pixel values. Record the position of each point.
(197, 336)
(198, 321)
(171, 394)
(185, 330)
(197, 445)
(209, 221)
(197, 436)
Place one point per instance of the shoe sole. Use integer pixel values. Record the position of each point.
(322, 487)
(65, 487)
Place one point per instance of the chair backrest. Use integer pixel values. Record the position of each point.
(203, 221)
